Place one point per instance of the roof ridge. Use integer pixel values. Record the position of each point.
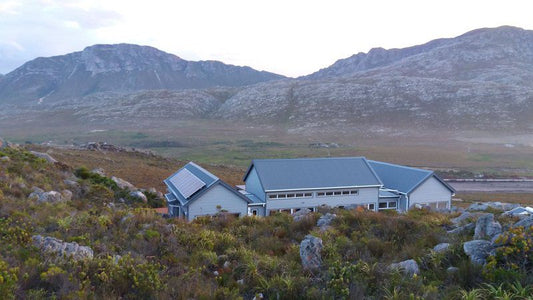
(399, 166)
(308, 158)
(203, 170)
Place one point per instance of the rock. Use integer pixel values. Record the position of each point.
(67, 195)
(519, 211)
(310, 252)
(50, 245)
(258, 296)
(526, 223)
(126, 217)
(462, 229)
(477, 250)
(123, 184)
(46, 156)
(36, 194)
(486, 227)
(5, 158)
(478, 206)
(240, 282)
(71, 183)
(139, 196)
(50, 197)
(452, 270)
(300, 215)
(98, 171)
(227, 265)
(325, 221)
(408, 267)
(152, 190)
(460, 219)
(215, 273)
(442, 247)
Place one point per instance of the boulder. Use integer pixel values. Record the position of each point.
(486, 227)
(408, 267)
(123, 184)
(51, 197)
(442, 247)
(310, 252)
(71, 183)
(325, 221)
(478, 206)
(36, 193)
(46, 156)
(452, 270)
(139, 196)
(98, 171)
(300, 215)
(526, 223)
(477, 250)
(462, 229)
(460, 219)
(50, 245)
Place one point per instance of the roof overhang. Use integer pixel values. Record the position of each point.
(323, 188)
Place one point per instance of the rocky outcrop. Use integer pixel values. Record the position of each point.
(310, 252)
(477, 250)
(45, 156)
(462, 218)
(408, 267)
(123, 184)
(48, 197)
(300, 215)
(324, 221)
(139, 196)
(486, 227)
(463, 229)
(442, 247)
(527, 223)
(54, 247)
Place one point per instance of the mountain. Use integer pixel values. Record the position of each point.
(479, 80)
(118, 68)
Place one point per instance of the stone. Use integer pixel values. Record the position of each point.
(123, 184)
(36, 193)
(50, 245)
(45, 156)
(240, 282)
(408, 267)
(71, 183)
(486, 227)
(477, 250)
(152, 190)
(215, 273)
(442, 247)
(478, 206)
(258, 296)
(227, 265)
(526, 223)
(325, 221)
(462, 229)
(51, 197)
(460, 219)
(452, 270)
(310, 252)
(67, 195)
(300, 215)
(139, 196)
(98, 171)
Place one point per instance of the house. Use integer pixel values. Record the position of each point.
(291, 185)
(194, 191)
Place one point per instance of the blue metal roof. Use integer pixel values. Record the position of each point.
(208, 178)
(402, 178)
(387, 194)
(314, 173)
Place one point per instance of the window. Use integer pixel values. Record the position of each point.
(281, 196)
(371, 206)
(308, 194)
(254, 212)
(337, 193)
(299, 195)
(392, 204)
(289, 195)
(346, 192)
(320, 194)
(272, 196)
(383, 205)
(329, 193)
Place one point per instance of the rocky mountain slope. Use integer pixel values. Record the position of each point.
(118, 68)
(479, 80)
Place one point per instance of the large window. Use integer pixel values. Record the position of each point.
(387, 205)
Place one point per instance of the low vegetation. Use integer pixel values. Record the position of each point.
(139, 254)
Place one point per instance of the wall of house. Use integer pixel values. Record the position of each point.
(430, 192)
(260, 210)
(364, 196)
(253, 185)
(218, 195)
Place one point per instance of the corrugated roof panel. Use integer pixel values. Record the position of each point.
(314, 173)
(186, 183)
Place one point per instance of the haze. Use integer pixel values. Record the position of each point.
(292, 38)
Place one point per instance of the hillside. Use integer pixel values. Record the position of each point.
(117, 68)
(88, 242)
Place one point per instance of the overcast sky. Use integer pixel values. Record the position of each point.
(288, 37)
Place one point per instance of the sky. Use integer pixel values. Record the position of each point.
(289, 37)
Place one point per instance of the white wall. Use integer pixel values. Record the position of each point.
(217, 195)
(365, 195)
(431, 191)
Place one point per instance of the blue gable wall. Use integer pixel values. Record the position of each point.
(253, 184)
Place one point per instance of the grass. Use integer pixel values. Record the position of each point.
(520, 198)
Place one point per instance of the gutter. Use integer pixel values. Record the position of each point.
(322, 188)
